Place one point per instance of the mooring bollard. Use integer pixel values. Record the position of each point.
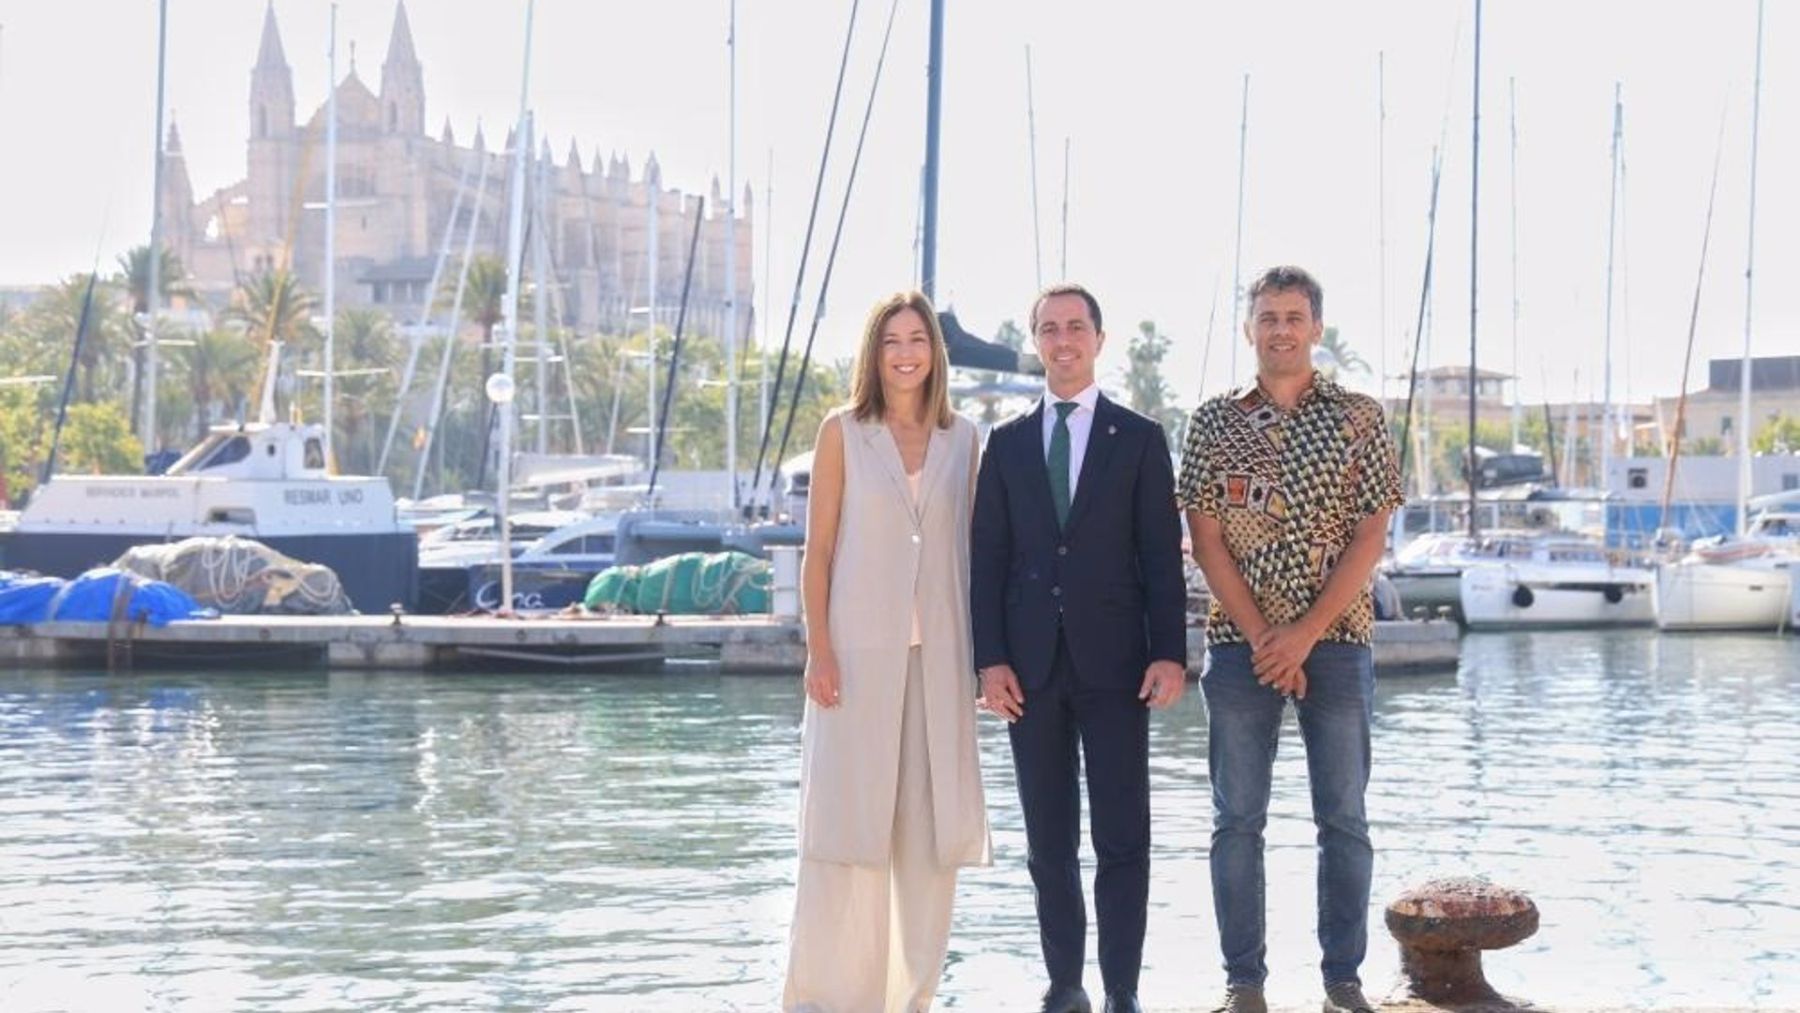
(1442, 927)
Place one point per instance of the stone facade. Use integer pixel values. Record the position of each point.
(397, 186)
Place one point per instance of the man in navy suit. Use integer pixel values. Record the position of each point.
(1079, 611)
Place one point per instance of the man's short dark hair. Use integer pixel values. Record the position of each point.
(1287, 278)
(1067, 288)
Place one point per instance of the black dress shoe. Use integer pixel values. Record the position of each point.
(1124, 1002)
(1066, 999)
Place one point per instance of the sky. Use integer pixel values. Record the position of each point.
(1148, 95)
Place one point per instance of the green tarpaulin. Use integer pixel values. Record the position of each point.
(692, 583)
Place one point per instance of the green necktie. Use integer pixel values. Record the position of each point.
(1058, 461)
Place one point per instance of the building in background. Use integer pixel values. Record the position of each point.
(397, 186)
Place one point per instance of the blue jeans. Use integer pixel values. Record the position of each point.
(1244, 723)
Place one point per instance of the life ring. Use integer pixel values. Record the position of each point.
(1522, 596)
(1614, 593)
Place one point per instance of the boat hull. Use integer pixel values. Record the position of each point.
(1509, 597)
(376, 569)
(1714, 596)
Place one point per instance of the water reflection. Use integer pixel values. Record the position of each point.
(287, 842)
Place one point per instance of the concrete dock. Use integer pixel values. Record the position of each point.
(554, 643)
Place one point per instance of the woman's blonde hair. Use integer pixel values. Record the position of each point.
(866, 399)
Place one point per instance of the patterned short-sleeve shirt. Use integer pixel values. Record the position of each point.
(1289, 488)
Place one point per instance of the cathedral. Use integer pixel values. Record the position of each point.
(397, 188)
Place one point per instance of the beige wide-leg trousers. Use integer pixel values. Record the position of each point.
(872, 938)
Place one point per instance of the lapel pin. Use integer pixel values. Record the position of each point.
(1112, 430)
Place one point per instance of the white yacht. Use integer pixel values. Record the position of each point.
(1734, 583)
(1551, 580)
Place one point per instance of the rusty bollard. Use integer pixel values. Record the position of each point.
(1443, 926)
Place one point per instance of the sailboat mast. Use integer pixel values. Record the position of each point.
(540, 306)
(1063, 268)
(1607, 429)
(515, 243)
(1381, 213)
(153, 273)
(934, 101)
(1474, 258)
(330, 223)
(1237, 248)
(1037, 241)
(1512, 121)
(1743, 420)
(731, 308)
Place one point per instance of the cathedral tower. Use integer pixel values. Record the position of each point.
(271, 148)
(402, 81)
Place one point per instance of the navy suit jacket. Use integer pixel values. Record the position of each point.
(1111, 579)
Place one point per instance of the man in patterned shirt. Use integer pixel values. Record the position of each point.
(1287, 487)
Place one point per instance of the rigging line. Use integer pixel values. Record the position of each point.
(1687, 358)
(787, 428)
(668, 398)
(805, 249)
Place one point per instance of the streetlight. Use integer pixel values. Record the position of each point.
(500, 391)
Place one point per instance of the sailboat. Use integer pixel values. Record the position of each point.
(1743, 581)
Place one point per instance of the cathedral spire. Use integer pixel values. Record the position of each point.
(270, 55)
(271, 85)
(400, 43)
(402, 80)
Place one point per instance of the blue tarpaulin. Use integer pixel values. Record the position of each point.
(27, 599)
(96, 596)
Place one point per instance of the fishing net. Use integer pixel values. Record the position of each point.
(240, 576)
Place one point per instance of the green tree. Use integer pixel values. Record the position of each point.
(134, 277)
(97, 440)
(1146, 390)
(51, 322)
(1780, 436)
(220, 366)
(1347, 358)
(274, 306)
(364, 341)
(484, 298)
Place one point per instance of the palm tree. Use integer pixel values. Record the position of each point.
(1342, 354)
(134, 278)
(54, 318)
(272, 306)
(220, 366)
(365, 338)
(134, 275)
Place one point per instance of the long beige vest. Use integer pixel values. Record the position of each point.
(892, 555)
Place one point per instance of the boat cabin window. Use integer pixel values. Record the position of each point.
(229, 452)
(584, 545)
(315, 453)
(1776, 527)
(231, 515)
(1576, 554)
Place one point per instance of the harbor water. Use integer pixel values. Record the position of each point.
(309, 841)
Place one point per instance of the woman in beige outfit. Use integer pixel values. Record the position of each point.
(890, 788)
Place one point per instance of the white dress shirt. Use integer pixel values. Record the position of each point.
(1081, 423)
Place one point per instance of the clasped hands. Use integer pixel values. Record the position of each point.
(1164, 682)
(1277, 655)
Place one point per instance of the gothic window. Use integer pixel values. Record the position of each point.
(262, 121)
(393, 116)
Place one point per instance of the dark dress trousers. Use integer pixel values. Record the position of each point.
(1079, 610)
